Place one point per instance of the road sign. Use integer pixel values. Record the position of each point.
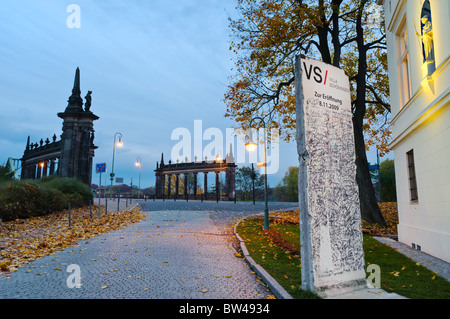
(119, 179)
(100, 168)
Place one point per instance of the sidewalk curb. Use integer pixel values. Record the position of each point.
(435, 264)
(274, 286)
(122, 210)
(130, 208)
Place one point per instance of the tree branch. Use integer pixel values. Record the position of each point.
(378, 100)
(378, 41)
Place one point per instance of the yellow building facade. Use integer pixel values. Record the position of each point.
(418, 33)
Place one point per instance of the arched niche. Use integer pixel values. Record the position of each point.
(427, 37)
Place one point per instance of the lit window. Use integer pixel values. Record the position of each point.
(403, 63)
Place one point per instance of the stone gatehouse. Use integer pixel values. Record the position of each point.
(72, 155)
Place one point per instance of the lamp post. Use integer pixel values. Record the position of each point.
(139, 163)
(119, 143)
(251, 146)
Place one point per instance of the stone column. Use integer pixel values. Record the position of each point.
(52, 167)
(26, 170)
(35, 170)
(177, 181)
(39, 170)
(185, 185)
(217, 186)
(195, 185)
(230, 183)
(44, 169)
(157, 185)
(205, 187)
(162, 185)
(30, 171)
(168, 185)
(58, 169)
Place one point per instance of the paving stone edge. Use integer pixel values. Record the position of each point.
(131, 207)
(274, 286)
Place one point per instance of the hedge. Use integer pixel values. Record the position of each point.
(24, 199)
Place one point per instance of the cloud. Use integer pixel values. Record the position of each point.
(153, 66)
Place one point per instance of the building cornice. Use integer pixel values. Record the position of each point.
(396, 15)
(420, 91)
(439, 103)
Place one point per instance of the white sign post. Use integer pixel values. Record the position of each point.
(330, 219)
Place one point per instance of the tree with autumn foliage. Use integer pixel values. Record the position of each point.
(5, 174)
(267, 37)
(181, 184)
(287, 189)
(173, 185)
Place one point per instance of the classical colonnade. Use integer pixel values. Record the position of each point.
(164, 173)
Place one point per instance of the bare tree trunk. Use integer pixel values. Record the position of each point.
(370, 211)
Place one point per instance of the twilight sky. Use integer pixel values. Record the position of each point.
(153, 66)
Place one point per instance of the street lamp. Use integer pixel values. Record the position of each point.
(119, 143)
(139, 163)
(251, 146)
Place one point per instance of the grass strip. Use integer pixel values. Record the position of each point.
(277, 251)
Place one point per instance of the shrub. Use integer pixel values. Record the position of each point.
(55, 200)
(46, 179)
(24, 199)
(78, 193)
(5, 174)
(21, 199)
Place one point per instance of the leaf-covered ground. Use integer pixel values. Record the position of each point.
(277, 250)
(390, 214)
(388, 210)
(24, 240)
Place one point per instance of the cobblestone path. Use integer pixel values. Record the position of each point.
(170, 255)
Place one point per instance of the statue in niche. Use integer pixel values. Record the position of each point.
(88, 101)
(427, 38)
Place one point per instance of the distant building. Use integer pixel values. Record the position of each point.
(72, 155)
(419, 74)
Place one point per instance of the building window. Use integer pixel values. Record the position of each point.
(403, 63)
(412, 176)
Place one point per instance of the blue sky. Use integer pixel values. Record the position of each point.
(153, 66)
